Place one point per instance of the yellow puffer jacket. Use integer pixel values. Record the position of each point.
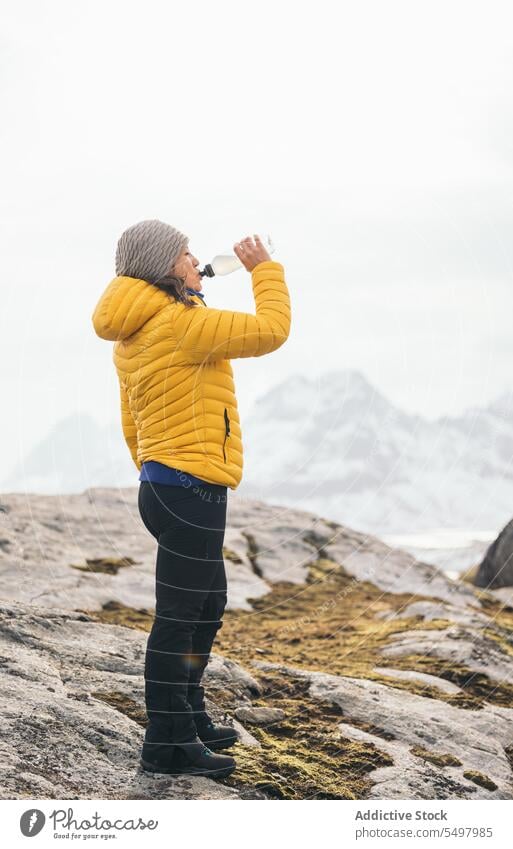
(178, 403)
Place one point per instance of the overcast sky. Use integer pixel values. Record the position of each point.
(372, 140)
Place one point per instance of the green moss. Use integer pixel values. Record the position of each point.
(306, 756)
(324, 570)
(290, 769)
(331, 623)
(334, 525)
(107, 565)
(476, 686)
(469, 574)
(115, 613)
(480, 779)
(503, 641)
(123, 704)
(232, 556)
(499, 611)
(436, 758)
(303, 757)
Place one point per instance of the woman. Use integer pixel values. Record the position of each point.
(180, 420)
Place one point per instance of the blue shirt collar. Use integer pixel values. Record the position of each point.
(193, 292)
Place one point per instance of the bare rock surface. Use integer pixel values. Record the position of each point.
(45, 539)
(430, 610)
(505, 594)
(63, 735)
(49, 544)
(72, 688)
(394, 570)
(404, 722)
(423, 677)
(473, 650)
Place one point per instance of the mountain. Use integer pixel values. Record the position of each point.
(336, 445)
(76, 454)
(333, 444)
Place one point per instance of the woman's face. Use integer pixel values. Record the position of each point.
(186, 266)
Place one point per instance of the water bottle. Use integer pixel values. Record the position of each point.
(226, 263)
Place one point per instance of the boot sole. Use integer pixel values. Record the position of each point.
(220, 745)
(223, 772)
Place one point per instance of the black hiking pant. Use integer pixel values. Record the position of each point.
(190, 596)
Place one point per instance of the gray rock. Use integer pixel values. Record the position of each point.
(472, 649)
(391, 569)
(259, 715)
(429, 610)
(421, 677)
(477, 738)
(224, 674)
(280, 539)
(44, 536)
(245, 737)
(505, 595)
(243, 581)
(62, 735)
(47, 536)
(496, 568)
(412, 777)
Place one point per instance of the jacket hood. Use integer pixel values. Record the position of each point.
(125, 306)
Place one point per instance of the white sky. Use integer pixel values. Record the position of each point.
(372, 140)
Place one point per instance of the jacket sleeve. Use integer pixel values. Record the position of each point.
(206, 333)
(128, 424)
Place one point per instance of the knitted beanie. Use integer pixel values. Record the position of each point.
(148, 250)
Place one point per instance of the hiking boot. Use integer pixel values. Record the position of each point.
(214, 736)
(191, 758)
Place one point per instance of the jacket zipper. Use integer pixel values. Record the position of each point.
(226, 431)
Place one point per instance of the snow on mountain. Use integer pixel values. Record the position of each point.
(337, 446)
(331, 444)
(76, 454)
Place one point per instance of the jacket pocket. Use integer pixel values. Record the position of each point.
(226, 431)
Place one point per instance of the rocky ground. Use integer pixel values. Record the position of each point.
(350, 669)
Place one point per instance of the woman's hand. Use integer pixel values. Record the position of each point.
(251, 253)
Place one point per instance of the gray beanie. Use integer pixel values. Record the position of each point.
(147, 250)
